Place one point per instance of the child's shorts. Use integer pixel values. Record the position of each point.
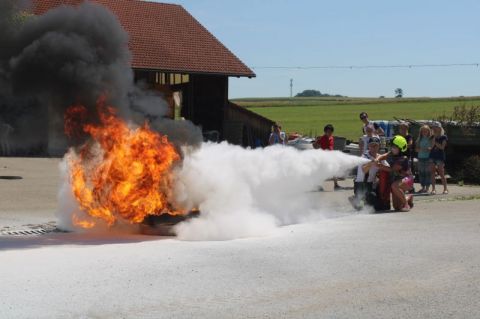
(437, 161)
(408, 180)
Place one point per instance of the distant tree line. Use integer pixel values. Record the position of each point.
(316, 93)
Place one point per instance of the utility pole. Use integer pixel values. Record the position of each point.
(291, 88)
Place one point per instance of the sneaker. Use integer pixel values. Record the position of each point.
(422, 191)
(357, 204)
(406, 208)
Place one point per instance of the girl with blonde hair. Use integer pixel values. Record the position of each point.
(424, 145)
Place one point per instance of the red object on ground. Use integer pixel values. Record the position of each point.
(384, 189)
(293, 136)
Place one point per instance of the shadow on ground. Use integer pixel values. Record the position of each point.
(10, 177)
(72, 239)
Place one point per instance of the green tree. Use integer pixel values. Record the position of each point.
(398, 93)
(309, 93)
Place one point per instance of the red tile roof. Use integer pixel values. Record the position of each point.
(165, 37)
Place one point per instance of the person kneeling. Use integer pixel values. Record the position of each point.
(403, 182)
(400, 174)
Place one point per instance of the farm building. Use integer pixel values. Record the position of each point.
(175, 55)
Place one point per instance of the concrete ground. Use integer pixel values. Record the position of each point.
(29, 187)
(28, 190)
(421, 264)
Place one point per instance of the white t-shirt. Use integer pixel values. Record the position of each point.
(365, 139)
(283, 135)
(372, 173)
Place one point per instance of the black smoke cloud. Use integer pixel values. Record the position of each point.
(73, 55)
(25, 113)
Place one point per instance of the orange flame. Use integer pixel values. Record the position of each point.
(82, 223)
(124, 174)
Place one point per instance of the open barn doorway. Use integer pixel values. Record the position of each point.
(171, 86)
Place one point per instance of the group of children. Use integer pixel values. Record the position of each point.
(384, 174)
(430, 147)
(392, 171)
(387, 179)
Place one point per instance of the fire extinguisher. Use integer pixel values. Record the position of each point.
(383, 191)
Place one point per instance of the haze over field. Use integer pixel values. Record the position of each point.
(314, 33)
(309, 115)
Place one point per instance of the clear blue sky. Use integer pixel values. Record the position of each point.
(348, 32)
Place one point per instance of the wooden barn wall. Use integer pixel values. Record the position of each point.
(208, 96)
(244, 127)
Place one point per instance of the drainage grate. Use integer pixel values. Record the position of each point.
(24, 232)
(30, 230)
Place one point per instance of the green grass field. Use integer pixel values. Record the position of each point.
(308, 116)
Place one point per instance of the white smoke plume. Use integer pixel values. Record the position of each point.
(67, 204)
(243, 192)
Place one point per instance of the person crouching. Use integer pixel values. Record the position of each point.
(366, 181)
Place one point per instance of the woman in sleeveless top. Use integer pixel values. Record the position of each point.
(437, 157)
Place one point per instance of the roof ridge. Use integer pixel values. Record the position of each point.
(156, 2)
(165, 36)
(215, 37)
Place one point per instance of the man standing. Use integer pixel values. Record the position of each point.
(366, 122)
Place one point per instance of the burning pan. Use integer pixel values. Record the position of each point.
(162, 225)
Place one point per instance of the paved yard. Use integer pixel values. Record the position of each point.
(421, 264)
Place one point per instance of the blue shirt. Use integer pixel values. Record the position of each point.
(424, 144)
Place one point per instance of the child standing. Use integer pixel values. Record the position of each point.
(403, 131)
(437, 156)
(363, 142)
(326, 142)
(424, 146)
(276, 137)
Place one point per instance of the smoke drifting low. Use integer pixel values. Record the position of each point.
(243, 193)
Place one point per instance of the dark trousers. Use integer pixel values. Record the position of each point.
(379, 198)
(363, 191)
